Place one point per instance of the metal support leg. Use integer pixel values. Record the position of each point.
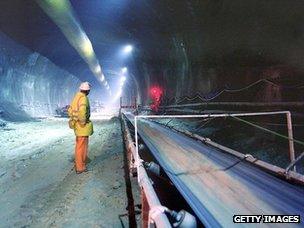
(144, 210)
(290, 138)
(292, 164)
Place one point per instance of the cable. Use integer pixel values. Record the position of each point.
(278, 124)
(167, 124)
(204, 124)
(267, 130)
(190, 172)
(198, 96)
(197, 171)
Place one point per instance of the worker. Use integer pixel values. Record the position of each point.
(79, 113)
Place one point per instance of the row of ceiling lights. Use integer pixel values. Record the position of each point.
(123, 72)
(60, 11)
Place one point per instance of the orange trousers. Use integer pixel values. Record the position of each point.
(81, 151)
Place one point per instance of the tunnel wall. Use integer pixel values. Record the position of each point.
(31, 83)
(182, 76)
(239, 74)
(207, 46)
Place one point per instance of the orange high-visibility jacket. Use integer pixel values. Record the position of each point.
(79, 112)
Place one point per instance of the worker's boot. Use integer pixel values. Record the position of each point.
(87, 161)
(84, 171)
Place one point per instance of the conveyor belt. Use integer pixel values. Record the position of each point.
(218, 185)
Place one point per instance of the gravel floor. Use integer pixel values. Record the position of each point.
(39, 188)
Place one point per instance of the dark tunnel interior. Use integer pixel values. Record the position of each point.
(184, 47)
(162, 56)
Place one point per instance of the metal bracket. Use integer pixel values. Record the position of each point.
(293, 163)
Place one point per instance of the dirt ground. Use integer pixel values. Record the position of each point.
(38, 187)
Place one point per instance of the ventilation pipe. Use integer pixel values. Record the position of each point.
(63, 15)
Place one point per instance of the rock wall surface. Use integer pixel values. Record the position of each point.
(31, 83)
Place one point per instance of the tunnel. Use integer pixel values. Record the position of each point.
(185, 113)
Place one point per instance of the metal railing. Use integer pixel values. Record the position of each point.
(263, 164)
(150, 201)
(238, 104)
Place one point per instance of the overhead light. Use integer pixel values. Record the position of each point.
(102, 77)
(128, 49)
(62, 13)
(87, 48)
(124, 70)
(123, 79)
(118, 94)
(97, 69)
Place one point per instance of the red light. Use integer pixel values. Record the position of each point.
(156, 94)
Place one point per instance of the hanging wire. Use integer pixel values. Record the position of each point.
(198, 96)
(204, 124)
(203, 170)
(267, 130)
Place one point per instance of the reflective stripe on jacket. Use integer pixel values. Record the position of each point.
(79, 112)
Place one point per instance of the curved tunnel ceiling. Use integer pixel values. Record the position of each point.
(185, 46)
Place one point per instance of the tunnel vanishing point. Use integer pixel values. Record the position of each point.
(186, 113)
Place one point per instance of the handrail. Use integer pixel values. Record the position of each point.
(287, 113)
(296, 177)
(213, 115)
(160, 220)
(277, 171)
(249, 104)
(292, 164)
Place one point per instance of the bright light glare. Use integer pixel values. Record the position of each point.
(102, 77)
(118, 95)
(128, 49)
(62, 13)
(123, 79)
(97, 69)
(87, 48)
(124, 70)
(59, 4)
